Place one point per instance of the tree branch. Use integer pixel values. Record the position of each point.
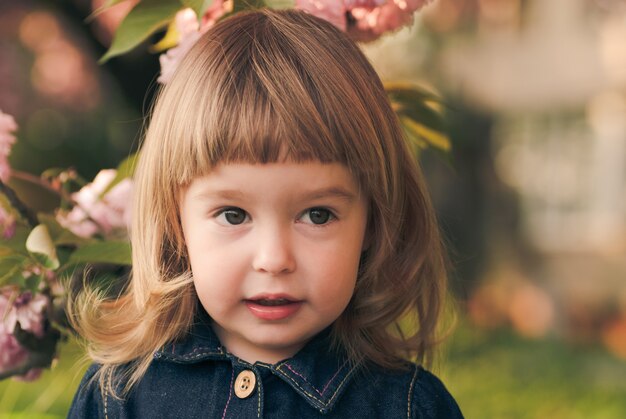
(21, 208)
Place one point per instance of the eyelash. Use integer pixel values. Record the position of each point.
(331, 215)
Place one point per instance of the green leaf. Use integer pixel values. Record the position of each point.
(435, 139)
(59, 234)
(422, 114)
(111, 3)
(39, 242)
(11, 268)
(125, 170)
(107, 5)
(410, 92)
(169, 40)
(113, 252)
(141, 22)
(416, 143)
(240, 5)
(32, 282)
(418, 112)
(17, 243)
(416, 105)
(198, 6)
(281, 4)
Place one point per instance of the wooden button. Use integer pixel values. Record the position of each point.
(245, 384)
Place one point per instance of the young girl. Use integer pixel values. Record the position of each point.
(286, 259)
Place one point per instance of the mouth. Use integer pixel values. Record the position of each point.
(273, 307)
(272, 300)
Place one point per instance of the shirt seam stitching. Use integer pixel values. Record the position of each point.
(258, 409)
(408, 408)
(333, 377)
(230, 393)
(105, 395)
(324, 404)
(191, 355)
(309, 383)
(304, 378)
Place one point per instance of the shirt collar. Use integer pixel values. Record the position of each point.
(316, 373)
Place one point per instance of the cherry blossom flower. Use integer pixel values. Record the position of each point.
(189, 31)
(372, 23)
(28, 312)
(12, 354)
(7, 126)
(94, 213)
(364, 20)
(332, 11)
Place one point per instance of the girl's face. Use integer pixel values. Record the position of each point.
(274, 250)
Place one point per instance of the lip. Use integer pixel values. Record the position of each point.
(278, 312)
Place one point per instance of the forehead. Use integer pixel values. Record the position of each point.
(309, 180)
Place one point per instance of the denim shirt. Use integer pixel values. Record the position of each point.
(198, 378)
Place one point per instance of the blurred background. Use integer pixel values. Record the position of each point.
(532, 201)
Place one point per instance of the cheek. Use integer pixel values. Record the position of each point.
(213, 278)
(333, 278)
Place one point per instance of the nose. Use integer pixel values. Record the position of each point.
(274, 253)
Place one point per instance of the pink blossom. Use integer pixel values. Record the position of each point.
(12, 354)
(28, 312)
(94, 213)
(372, 23)
(332, 11)
(7, 224)
(364, 20)
(7, 126)
(189, 31)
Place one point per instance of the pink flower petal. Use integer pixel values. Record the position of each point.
(333, 11)
(7, 126)
(93, 212)
(189, 32)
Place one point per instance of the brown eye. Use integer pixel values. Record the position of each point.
(233, 216)
(319, 215)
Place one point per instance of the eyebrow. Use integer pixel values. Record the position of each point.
(331, 192)
(231, 194)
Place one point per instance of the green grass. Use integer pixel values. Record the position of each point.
(51, 395)
(491, 374)
(500, 375)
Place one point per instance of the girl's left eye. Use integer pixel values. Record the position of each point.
(318, 216)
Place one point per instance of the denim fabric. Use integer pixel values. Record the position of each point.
(195, 378)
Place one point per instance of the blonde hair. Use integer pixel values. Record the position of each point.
(261, 87)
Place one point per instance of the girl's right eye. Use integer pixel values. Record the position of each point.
(231, 216)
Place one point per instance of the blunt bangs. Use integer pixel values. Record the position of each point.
(274, 96)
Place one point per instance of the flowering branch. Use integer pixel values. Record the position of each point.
(36, 180)
(19, 206)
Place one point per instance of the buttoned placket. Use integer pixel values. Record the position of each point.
(245, 399)
(319, 387)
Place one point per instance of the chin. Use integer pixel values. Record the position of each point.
(277, 341)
